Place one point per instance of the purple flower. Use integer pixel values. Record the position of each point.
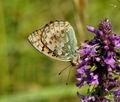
(88, 50)
(116, 41)
(105, 26)
(94, 80)
(117, 95)
(100, 64)
(96, 31)
(89, 98)
(82, 69)
(91, 29)
(110, 60)
(92, 98)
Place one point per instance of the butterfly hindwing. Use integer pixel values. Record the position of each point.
(56, 40)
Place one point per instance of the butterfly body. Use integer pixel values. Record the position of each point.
(56, 40)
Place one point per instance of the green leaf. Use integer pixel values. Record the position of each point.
(93, 68)
(84, 89)
(91, 89)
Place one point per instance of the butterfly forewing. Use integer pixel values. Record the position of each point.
(56, 40)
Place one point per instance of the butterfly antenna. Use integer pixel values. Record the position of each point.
(64, 69)
(68, 77)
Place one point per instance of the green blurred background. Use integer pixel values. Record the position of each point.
(25, 74)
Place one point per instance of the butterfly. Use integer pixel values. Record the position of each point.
(56, 40)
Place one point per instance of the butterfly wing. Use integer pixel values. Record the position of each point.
(56, 40)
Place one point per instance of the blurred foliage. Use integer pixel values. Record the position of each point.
(22, 68)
